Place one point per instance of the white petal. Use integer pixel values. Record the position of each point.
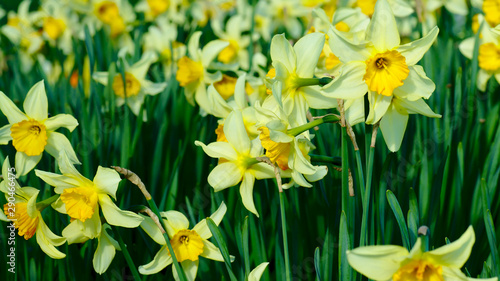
(211, 50)
(307, 50)
(5, 136)
(467, 47)
(240, 97)
(202, 228)
(224, 175)
(236, 133)
(382, 30)
(116, 216)
(106, 181)
(393, 127)
(417, 85)
(246, 192)
(58, 144)
(315, 99)
(101, 77)
(418, 106)
(105, 252)
(150, 227)
(210, 251)
(25, 163)
(161, 260)
(175, 221)
(47, 240)
(73, 233)
(414, 51)
(140, 68)
(282, 51)
(10, 110)
(456, 253)
(345, 50)
(189, 267)
(61, 120)
(218, 106)
(59, 181)
(482, 79)
(350, 83)
(377, 262)
(257, 272)
(219, 150)
(36, 104)
(262, 171)
(378, 106)
(194, 45)
(153, 88)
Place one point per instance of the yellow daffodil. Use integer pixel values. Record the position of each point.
(136, 86)
(33, 132)
(282, 13)
(386, 70)
(25, 214)
(237, 160)
(294, 68)
(152, 8)
(192, 71)
(188, 244)
(385, 263)
(82, 198)
(489, 53)
(236, 52)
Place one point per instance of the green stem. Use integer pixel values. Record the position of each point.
(325, 119)
(366, 199)
(127, 256)
(335, 160)
(47, 202)
(285, 240)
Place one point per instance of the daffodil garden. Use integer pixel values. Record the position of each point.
(250, 140)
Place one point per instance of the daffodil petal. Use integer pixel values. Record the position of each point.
(210, 251)
(140, 68)
(105, 252)
(153, 88)
(5, 136)
(299, 179)
(378, 106)
(73, 233)
(482, 79)
(189, 267)
(354, 110)
(202, 228)
(35, 104)
(393, 127)
(61, 120)
(161, 260)
(47, 240)
(315, 99)
(417, 85)
(383, 261)
(382, 30)
(219, 107)
(25, 163)
(418, 106)
(350, 84)
(456, 253)
(246, 192)
(211, 50)
(101, 77)
(467, 47)
(106, 181)
(282, 51)
(320, 173)
(151, 228)
(262, 171)
(58, 144)
(10, 110)
(117, 216)
(236, 133)
(239, 92)
(224, 175)
(414, 51)
(218, 150)
(307, 50)
(345, 50)
(257, 272)
(175, 221)
(60, 182)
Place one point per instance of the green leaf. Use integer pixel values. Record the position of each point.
(221, 244)
(398, 213)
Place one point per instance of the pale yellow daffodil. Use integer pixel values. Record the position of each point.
(257, 272)
(388, 262)
(33, 132)
(385, 69)
(188, 244)
(25, 214)
(82, 198)
(237, 160)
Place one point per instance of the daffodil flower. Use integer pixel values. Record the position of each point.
(33, 132)
(236, 52)
(389, 262)
(152, 8)
(294, 68)
(192, 71)
(26, 214)
(188, 244)
(136, 86)
(237, 160)
(488, 56)
(82, 198)
(386, 70)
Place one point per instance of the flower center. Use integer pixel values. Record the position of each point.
(226, 86)
(342, 26)
(188, 71)
(187, 245)
(491, 9)
(107, 12)
(29, 136)
(367, 6)
(229, 53)
(26, 226)
(132, 85)
(277, 152)
(53, 27)
(80, 202)
(385, 72)
(419, 270)
(489, 57)
(158, 6)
